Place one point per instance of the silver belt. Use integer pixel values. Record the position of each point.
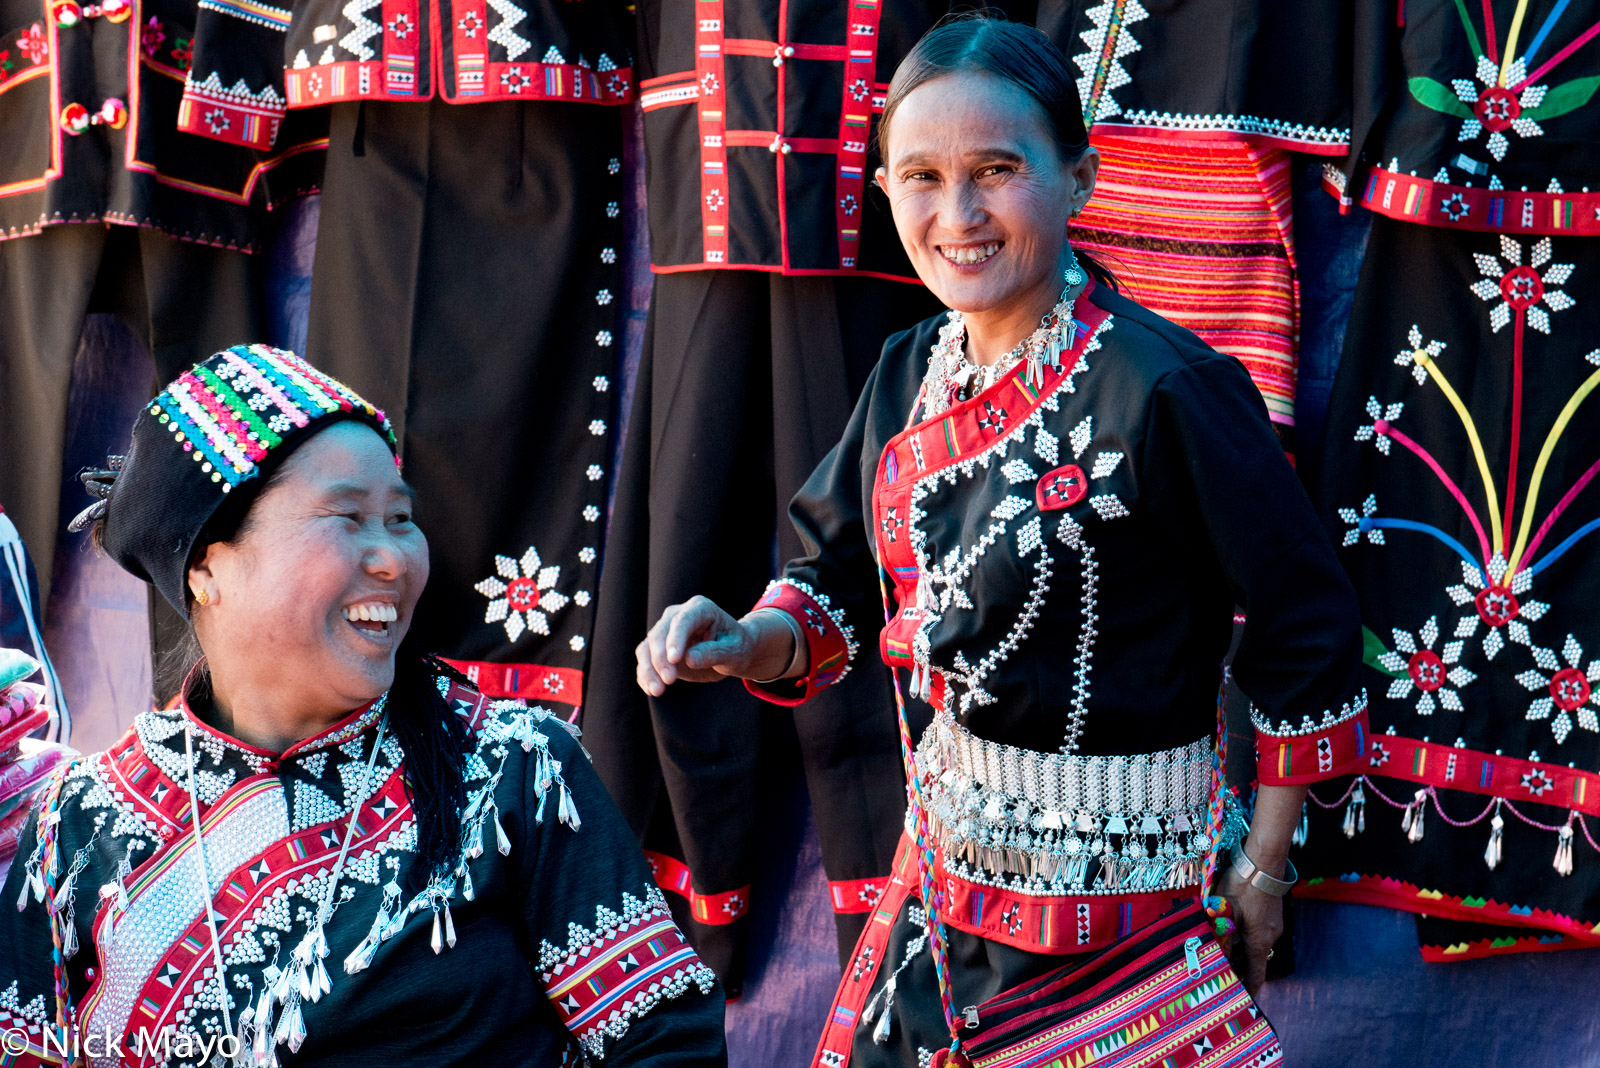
(1048, 823)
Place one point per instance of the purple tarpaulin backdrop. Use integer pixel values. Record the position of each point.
(1361, 995)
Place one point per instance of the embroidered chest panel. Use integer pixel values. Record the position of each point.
(985, 519)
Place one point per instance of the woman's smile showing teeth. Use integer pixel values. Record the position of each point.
(372, 617)
(969, 255)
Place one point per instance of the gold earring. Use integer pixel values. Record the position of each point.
(202, 597)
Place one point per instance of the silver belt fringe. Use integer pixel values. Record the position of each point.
(1046, 823)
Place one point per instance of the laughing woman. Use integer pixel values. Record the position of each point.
(330, 850)
(1068, 497)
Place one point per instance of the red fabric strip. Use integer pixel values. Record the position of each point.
(673, 876)
(528, 682)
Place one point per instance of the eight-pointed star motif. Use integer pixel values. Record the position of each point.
(1498, 109)
(1521, 287)
(1495, 604)
(1568, 688)
(522, 594)
(1436, 675)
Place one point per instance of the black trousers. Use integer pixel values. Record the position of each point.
(468, 280)
(746, 382)
(183, 300)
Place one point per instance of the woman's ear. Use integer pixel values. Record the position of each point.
(1084, 170)
(880, 178)
(202, 581)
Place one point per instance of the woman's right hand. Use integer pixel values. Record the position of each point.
(698, 642)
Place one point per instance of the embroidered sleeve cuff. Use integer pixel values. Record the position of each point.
(633, 961)
(830, 642)
(237, 115)
(1287, 755)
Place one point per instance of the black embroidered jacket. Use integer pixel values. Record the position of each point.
(547, 942)
(254, 61)
(92, 128)
(760, 118)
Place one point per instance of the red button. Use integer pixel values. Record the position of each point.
(167, 832)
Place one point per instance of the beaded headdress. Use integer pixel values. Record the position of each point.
(205, 442)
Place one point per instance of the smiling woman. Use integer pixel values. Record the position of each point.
(318, 800)
(1052, 502)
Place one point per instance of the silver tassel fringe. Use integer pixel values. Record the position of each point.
(1355, 813)
(1563, 861)
(1493, 853)
(1411, 822)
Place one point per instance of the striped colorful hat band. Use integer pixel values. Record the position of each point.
(231, 411)
(218, 427)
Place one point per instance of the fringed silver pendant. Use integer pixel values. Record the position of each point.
(1355, 813)
(1411, 821)
(1493, 853)
(502, 841)
(885, 1026)
(1563, 861)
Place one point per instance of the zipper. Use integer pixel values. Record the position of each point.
(1191, 954)
(971, 1014)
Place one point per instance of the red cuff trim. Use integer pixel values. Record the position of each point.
(828, 643)
(1290, 760)
(856, 895)
(715, 910)
(528, 682)
(235, 116)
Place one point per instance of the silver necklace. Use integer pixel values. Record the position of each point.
(952, 378)
(306, 962)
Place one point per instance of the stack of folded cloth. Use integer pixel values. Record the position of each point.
(25, 763)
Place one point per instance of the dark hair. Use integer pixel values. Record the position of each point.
(982, 42)
(433, 738)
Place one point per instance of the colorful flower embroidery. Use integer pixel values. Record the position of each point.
(1495, 605)
(1413, 357)
(34, 44)
(1566, 689)
(151, 37)
(1436, 675)
(1496, 108)
(523, 594)
(1521, 288)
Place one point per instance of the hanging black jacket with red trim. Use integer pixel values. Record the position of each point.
(254, 62)
(760, 117)
(90, 98)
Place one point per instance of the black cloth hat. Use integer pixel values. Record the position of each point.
(203, 447)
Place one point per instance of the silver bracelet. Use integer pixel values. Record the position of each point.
(1251, 873)
(801, 651)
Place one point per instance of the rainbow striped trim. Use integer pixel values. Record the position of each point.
(231, 411)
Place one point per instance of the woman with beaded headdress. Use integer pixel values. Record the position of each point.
(1066, 499)
(329, 849)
